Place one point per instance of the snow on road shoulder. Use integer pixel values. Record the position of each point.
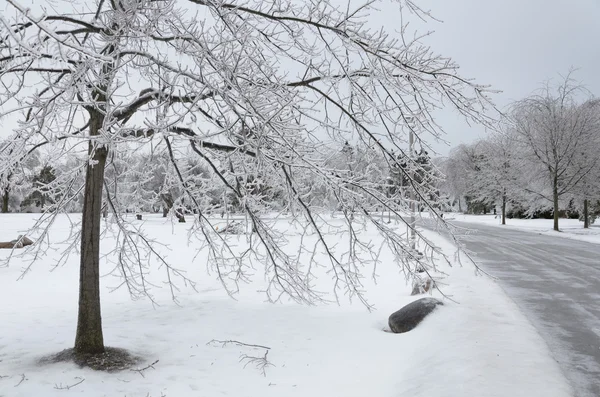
(480, 346)
(569, 228)
(487, 347)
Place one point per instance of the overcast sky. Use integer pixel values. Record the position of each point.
(515, 45)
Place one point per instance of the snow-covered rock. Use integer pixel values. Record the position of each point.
(412, 314)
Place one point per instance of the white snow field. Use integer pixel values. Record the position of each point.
(481, 346)
(569, 228)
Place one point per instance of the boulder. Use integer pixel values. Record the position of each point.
(19, 242)
(232, 228)
(26, 241)
(412, 314)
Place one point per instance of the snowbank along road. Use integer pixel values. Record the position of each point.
(556, 283)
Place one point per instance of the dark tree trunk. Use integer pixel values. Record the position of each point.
(5, 197)
(555, 199)
(504, 209)
(89, 338)
(179, 215)
(586, 215)
(167, 200)
(168, 204)
(459, 206)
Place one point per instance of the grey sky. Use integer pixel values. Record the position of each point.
(515, 45)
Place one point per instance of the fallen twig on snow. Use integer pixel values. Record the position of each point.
(235, 342)
(23, 379)
(260, 362)
(67, 387)
(141, 370)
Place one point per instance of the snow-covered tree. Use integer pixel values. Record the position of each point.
(465, 178)
(556, 128)
(455, 182)
(587, 192)
(5, 179)
(42, 193)
(17, 176)
(499, 169)
(261, 84)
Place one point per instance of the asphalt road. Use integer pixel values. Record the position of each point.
(556, 283)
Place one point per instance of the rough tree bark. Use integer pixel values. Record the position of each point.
(179, 215)
(168, 203)
(89, 338)
(504, 208)
(5, 197)
(586, 217)
(555, 200)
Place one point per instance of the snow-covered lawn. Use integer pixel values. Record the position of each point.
(480, 346)
(569, 228)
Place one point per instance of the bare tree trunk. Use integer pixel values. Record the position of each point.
(459, 206)
(555, 199)
(504, 208)
(180, 215)
(168, 204)
(5, 197)
(89, 338)
(586, 215)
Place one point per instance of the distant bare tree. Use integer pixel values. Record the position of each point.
(5, 179)
(464, 177)
(16, 177)
(455, 182)
(556, 129)
(587, 192)
(500, 167)
(250, 88)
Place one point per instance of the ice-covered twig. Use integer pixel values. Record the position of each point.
(23, 379)
(141, 370)
(224, 343)
(260, 362)
(67, 387)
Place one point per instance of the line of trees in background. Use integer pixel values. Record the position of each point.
(138, 182)
(543, 161)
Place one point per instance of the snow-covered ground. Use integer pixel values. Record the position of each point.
(569, 228)
(480, 346)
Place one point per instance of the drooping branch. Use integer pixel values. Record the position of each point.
(149, 94)
(39, 23)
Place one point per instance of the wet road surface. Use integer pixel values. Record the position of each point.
(556, 283)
